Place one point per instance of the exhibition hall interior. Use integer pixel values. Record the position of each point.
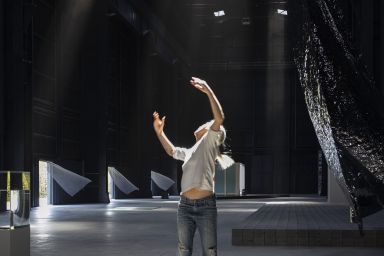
(83, 83)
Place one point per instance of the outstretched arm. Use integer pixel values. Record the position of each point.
(158, 126)
(218, 114)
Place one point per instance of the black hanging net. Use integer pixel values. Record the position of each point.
(346, 109)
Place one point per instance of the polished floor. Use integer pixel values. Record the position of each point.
(148, 227)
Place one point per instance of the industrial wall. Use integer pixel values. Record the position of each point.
(79, 83)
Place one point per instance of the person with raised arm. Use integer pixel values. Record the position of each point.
(197, 206)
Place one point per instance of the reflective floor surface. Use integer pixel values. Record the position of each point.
(144, 227)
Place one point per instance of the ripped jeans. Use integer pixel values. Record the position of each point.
(200, 214)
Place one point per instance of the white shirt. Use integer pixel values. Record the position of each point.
(199, 162)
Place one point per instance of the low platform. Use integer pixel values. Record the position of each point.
(307, 224)
(250, 196)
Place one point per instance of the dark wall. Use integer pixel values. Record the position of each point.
(16, 118)
(69, 93)
(2, 51)
(268, 127)
(94, 99)
(72, 95)
(122, 91)
(367, 24)
(269, 130)
(45, 96)
(380, 53)
(157, 92)
(139, 81)
(304, 146)
(79, 97)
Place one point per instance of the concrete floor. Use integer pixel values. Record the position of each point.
(148, 227)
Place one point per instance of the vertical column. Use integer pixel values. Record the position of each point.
(15, 125)
(2, 50)
(146, 105)
(168, 95)
(95, 98)
(278, 103)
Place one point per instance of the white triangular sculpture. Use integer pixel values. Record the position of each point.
(69, 181)
(161, 181)
(121, 182)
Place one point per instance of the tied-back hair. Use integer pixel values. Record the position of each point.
(223, 158)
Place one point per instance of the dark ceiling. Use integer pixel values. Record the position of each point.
(207, 38)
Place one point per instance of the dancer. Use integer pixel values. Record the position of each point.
(197, 206)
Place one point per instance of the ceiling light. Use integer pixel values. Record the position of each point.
(282, 12)
(219, 13)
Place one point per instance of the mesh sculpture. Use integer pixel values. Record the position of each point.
(346, 109)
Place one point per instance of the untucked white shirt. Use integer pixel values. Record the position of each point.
(199, 162)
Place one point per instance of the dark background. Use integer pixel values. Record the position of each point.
(79, 81)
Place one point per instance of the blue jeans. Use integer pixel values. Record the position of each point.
(200, 214)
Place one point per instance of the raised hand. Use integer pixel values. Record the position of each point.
(200, 84)
(218, 114)
(158, 124)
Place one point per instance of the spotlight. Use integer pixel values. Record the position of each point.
(219, 13)
(282, 12)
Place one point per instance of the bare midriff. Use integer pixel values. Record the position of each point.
(196, 193)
